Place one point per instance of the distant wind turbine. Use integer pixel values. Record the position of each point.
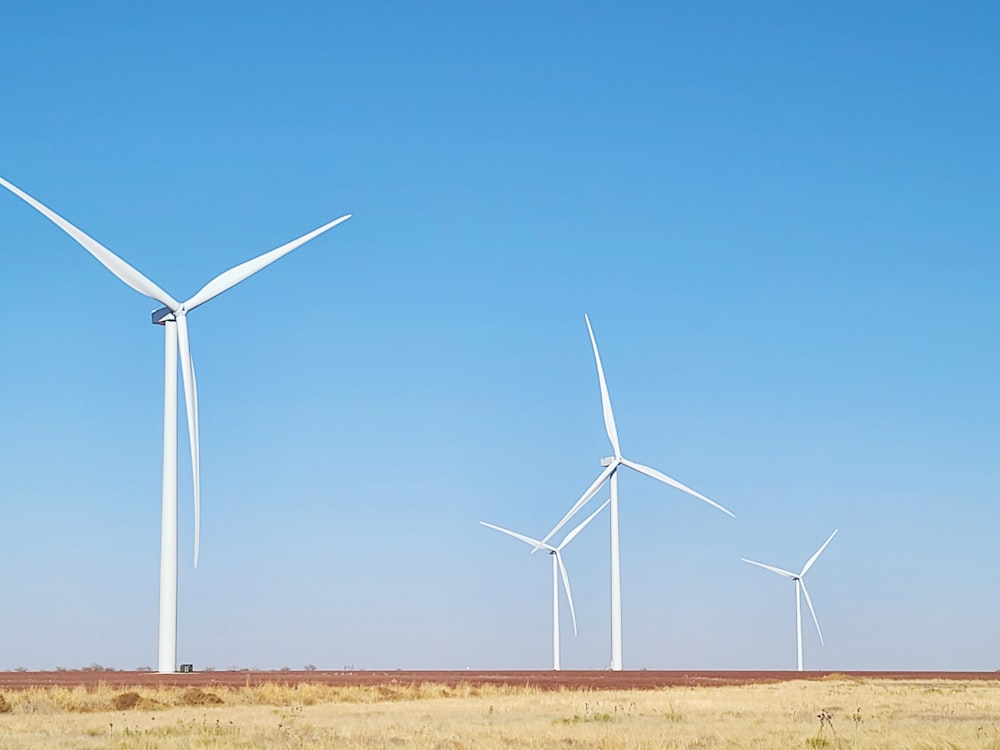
(799, 584)
(173, 318)
(558, 568)
(611, 471)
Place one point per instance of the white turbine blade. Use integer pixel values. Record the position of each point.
(584, 498)
(526, 539)
(191, 407)
(813, 559)
(572, 535)
(811, 610)
(108, 259)
(779, 571)
(569, 594)
(609, 417)
(649, 472)
(235, 275)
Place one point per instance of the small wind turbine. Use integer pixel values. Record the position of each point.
(173, 318)
(558, 568)
(799, 584)
(611, 465)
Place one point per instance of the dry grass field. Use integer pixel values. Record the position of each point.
(834, 712)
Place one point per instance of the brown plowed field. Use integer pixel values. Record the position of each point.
(547, 680)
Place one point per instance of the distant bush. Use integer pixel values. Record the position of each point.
(95, 667)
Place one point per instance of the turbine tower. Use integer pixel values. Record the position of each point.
(800, 585)
(611, 465)
(558, 568)
(173, 318)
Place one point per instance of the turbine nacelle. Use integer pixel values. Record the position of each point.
(162, 316)
(168, 315)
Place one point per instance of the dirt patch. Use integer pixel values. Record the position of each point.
(131, 700)
(198, 697)
(125, 701)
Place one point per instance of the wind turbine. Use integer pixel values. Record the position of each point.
(558, 568)
(799, 584)
(611, 465)
(173, 318)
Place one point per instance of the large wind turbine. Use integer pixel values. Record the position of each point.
(611, 465)
(799, 584)
(558, 568)
(173, 318)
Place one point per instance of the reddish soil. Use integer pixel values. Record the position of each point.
(547, 680)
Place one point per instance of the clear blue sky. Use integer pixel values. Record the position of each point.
(781, 218)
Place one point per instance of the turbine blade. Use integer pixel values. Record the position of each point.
(813, 559)
(649, 472)
(569, 594)
(609, 416)
(572, 535)
(108, 259)
(811, 610)
(235, 275)
(191, 408)
(526, 539)
(779, 571)
(584, 498)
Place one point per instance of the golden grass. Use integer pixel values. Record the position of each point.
(863, 714)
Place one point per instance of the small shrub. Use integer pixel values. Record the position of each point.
(825, 717)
